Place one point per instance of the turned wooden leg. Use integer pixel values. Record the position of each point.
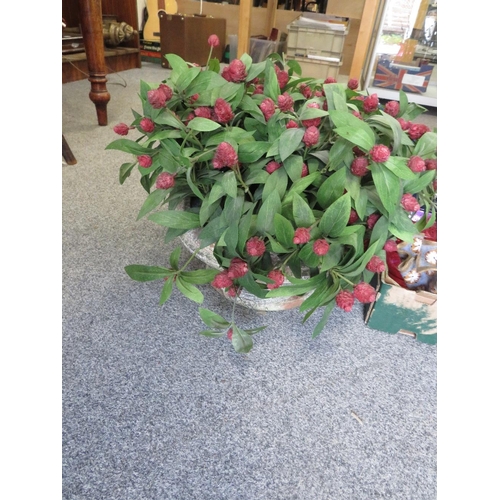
(93, 39)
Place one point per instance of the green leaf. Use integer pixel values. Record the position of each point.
(189, 290)
(419, 182)
(399, 166)
(353, 129)
(289, 141)
(200, 276)
(212, 333)
(152, 201)
(336, 216)
(390, 124)
(265, 217)
(277, 181)
(128, 146)
(255, 70)
(125, 171)
(229, 184)
(310, 113)
(293, 166)
(166, 291)
(174, 258)
(212, 319)
(146, 273)
(244, 229)
(426, 145)
(332, 188)
(335, 96)
(178, 65)
(187, 78)
(271, 86)
(203, 124)
(388, 186)
(284, 230)
(302, 213)
(250, 152)
(176, 219)
(401, 226)
(242, 342)
(307, 255)
(322, 322)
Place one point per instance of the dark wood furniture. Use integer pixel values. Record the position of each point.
(97, 60)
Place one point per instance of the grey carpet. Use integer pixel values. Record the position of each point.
(154, 411)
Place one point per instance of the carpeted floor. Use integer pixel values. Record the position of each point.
(154, 411)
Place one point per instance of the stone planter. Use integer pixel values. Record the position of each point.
(192, 243)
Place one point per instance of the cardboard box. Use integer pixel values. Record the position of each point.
(390, 75)
(398, 310)
(187, 35)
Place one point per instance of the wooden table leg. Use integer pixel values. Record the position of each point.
(93, 39)
(67, 153)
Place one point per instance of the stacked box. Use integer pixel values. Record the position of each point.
(317, 43)
(150, 51)
(399, 310)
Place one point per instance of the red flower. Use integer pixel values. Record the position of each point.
(330, 79)
(145, 161)
(121, 129)
(167, 91)
(305, 170)
(222, 111)
(380, 153)
(222, 280)
(165, 180)
(277, 276)
(259, 89)
(237, 268)
(353, 83)
(358, 152)
(305, 90)
(302, 235)
(359, 166)
(404, 124)
(365, 293)
(282, 76)
(311, 136)
(313, 122)
(390, 246)
(392, 108)
(267, 107)
(345, 300)
(357, 114)
(285, 102)
(371, 220)
(353, 216)
(156, 98)
(431, 164)
(235, 72)
(230, 334)
(416, 164)
(225, 156)
(213, 41)
(272, 166)
(410, 203)
(203, 112)
(147, 125)
(255, 246)
(370, 104)
(194, 98)
(292, 124)
(321, 247)
(417, 130)
(376, 265)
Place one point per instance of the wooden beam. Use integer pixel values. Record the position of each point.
(272, 6)
(245, 14)
(365, 32)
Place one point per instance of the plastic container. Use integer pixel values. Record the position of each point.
(318, 69)
(258, 50)
(312, 40)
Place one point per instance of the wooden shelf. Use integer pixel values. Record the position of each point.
(74, 66)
